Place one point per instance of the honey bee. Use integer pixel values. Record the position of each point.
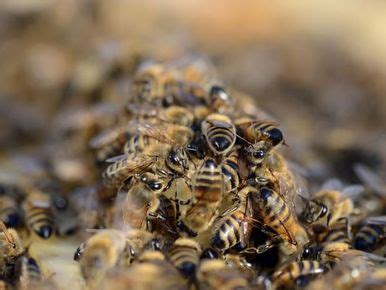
(162, 217)
(231, 170)
(133, 200)
(338, 232)
(219, 100)
(208, 188)
(9, 211)
(215, 274)
(109, 143)
(262, 131)
(220, 133)
(296, 272)
(353, 269)
(177, 115)
(137, 143)
(150, 271)
(326, 252)
(30, 274)
(11, 249)
(326, 207)
(184, 255)
(235, 228)
(102, 251)
(38, 214)
(278, 216)
(370, 234)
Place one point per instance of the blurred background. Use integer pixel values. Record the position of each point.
(318, 67)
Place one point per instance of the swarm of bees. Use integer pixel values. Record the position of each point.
(189, 191)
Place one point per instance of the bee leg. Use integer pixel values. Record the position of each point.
(264, 247)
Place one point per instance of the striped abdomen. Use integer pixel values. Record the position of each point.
(228, 232)
(267, 131)
(276, 214)
(368, 237)
(40, 220)
(137, 143)
(337, 233)
(291, 272)
(219, 132)
(33, 270)
(230, 169)
(208, 183)
(184, 255)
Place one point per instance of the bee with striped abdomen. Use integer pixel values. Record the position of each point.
(9, 211)
(235, 227)
(370, 234)
(38, 214)
(185, 256)
(220, 133)
(208, 188)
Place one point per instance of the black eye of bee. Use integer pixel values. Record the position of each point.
(324, 210)
(154, 185)
(259, 154)
(307, 252)
(174, 158)
(276, 136)
(156, 244)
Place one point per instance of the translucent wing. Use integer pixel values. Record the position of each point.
(370, 179)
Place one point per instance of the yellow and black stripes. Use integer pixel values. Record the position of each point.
(40, 220)
(220, 133)
(184, 255)
(369, 236)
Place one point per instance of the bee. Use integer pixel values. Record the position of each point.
(177, 115)
(338, 232)
(162, 216)
(9, 211)
(241, 264)
(208, 188)
(326, 252)
(109, 143)
(38, 214)
(133, 200)
(231, 170)
(370, 234)
(353, 269)
(235, 228)
(30, 273)
(216, 274)
(326, 207)
(150, 271)
(262, 131)
(220, 133)
(296, 272)
(137, 143)
(219, 100)
(102, 252)
(11, 249)
(185, 255)
(277, 215)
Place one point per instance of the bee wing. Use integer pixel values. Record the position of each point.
(106, 136)
(379, 220)
(220, 124)
(353, 191)
(370, 179)
(332, 184)
(116, 158)
(157, 132)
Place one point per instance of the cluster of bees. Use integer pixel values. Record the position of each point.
(192, 193)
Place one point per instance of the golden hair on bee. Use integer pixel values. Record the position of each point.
(185, 256)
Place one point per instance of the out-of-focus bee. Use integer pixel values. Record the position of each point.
(9, 211)
(279, 217)
(216, 274)
(162, 217)
(352, 269)
(296, 273)
(231, 170)
(220, 133)
(177, 115)
(109, 143)
(102, 251)
(235, 228)
(220, 101)
(38, 214)
(184, 255)
(370, 234)
(208, 188)
(338, 232)
(327, 252)
(326, 207)
(150, 271)
(30, 275)
(261, 131)
(137, 143)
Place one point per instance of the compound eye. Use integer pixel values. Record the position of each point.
(306, 253)
(324, 211)
(173, 158)
(259, 154)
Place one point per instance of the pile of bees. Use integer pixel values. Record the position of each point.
(184, 188)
